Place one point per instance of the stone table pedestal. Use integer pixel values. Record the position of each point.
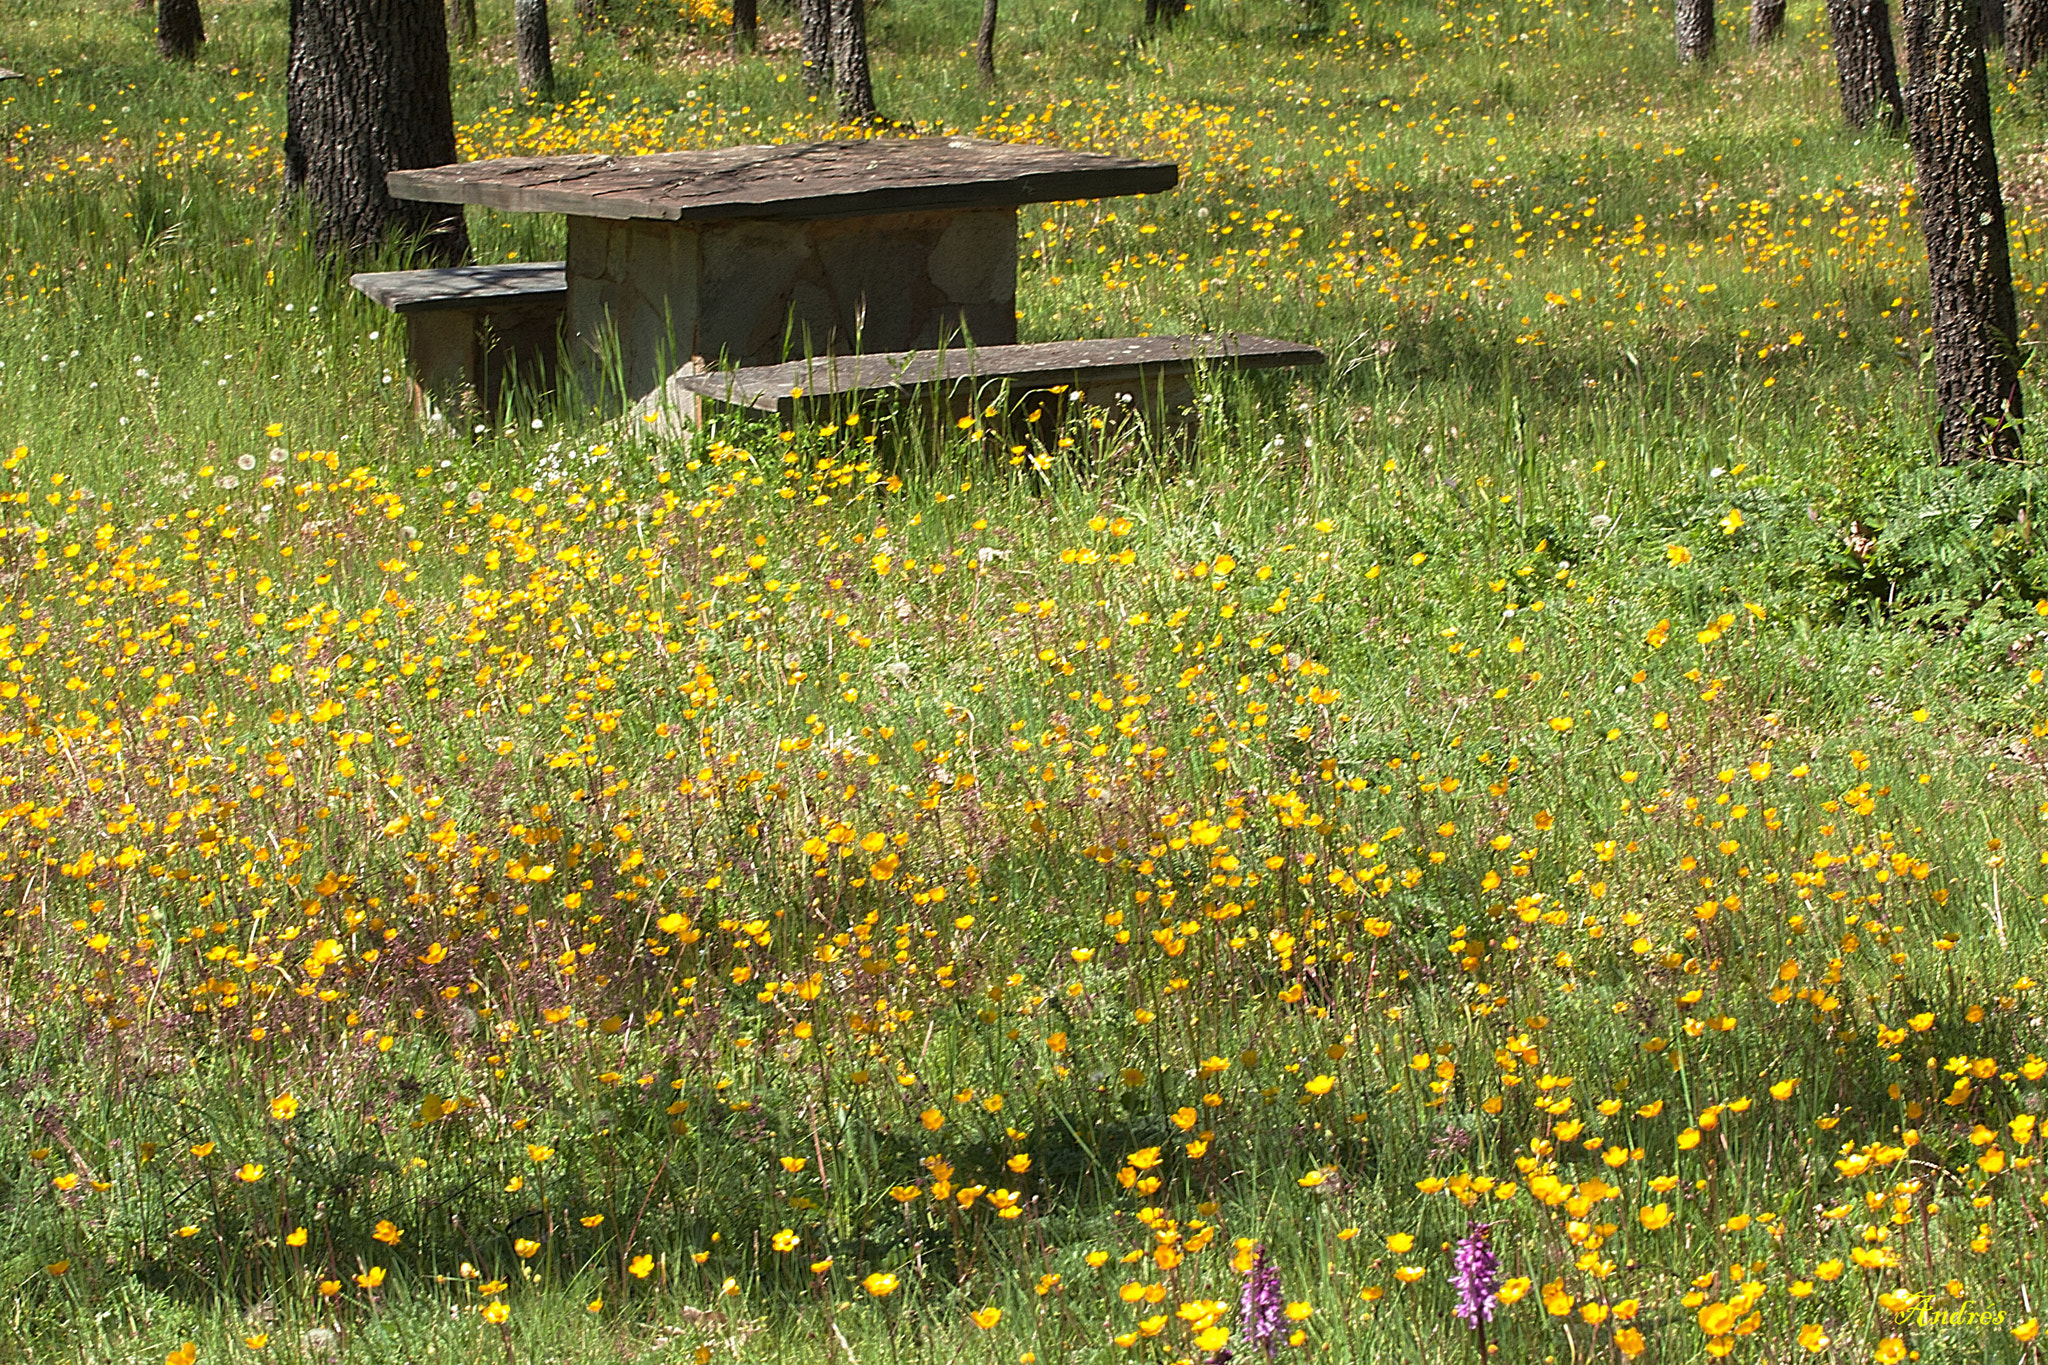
(648, 298)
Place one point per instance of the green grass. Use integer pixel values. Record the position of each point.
(1578, 720)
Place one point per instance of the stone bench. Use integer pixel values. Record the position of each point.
(472, 329)
(1147, 377)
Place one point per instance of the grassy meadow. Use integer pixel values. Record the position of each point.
(1571, 765)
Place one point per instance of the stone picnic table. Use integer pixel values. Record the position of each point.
(754, 255)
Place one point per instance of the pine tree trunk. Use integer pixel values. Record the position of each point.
(1866, 67)
(366, 92)
(1962, 218)
(815, 16)
(2026, 34)
(985, 42)
(850, 62)
(1992, 19)
(462, 23)
(746, 25)
(294, 139)
(179, 30)
(1766, 21)
(1694, 20)
(530, 40)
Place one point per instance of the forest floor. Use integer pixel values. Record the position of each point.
(1570, 767)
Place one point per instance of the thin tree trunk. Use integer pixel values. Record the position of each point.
(1866, 67)
(815, 16)
(1766, 21)
(1694, 21)
(1991, 16)
(850, 62)
(985, 42)
(1962, 218)
(2026, 34)
(591, 15)
(746, 25)
(1163, 11)
(179, 30)
(366, 92)
(462, 23)
(530, 39)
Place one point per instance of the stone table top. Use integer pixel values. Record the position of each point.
(800, 180)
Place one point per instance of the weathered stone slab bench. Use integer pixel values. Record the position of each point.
(1148, 377)
(471, 329)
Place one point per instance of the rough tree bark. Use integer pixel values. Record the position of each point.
(815, 17)
(1866, 68)
(530, 40)
(746, 25)
(1694, 21)
(985, 42)
(1766, 20)
(850, 62)
(179, 30)
(366, 92)
(462, 23)
(1962, 218)
(2026, 34)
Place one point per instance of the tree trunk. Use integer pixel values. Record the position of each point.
(1766, 20)
(985, 42)
(366, 92)
(530, 39)
(815, 16)
(1866, 67)
(179, 30)
(590, 15)
(746, 25)
(462, 23)
(850, 62)
(1992, 20)
(2026, 34)
(1157, 11)
(1962, 218)
(1694, 20)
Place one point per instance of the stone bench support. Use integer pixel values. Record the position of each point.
(473, 331)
